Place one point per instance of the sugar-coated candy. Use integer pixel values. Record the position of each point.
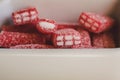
(27, 28)
(85, 39)
(104, 40)
(46, 26)
(67, 25)
(94, 22)
(66, 38)
(23, 16)
(8, 39)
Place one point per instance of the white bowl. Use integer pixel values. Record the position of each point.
(60, 64)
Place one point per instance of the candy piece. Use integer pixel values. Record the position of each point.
(104, 40)
(85, 39)
(27, 28)
(67, 25)
(46, 26)
(32, 46)
(28, 15)
(66, 38)
(8, 39)
(94, 22)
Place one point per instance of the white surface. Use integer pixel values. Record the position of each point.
(47, 25)
(59, 38)
(83, 64)
(63, 65)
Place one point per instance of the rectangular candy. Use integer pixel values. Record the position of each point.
(28, 15)
(66, 38)
(95, 23)
(8, 39)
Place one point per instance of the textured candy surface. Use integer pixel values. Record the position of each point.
(67, 25)
(23, 16)
(27, 28)
(94, 22)
(46, 26)
(8, 39)
(85, 39)
(66, 38)
(104, 40)
(32, 46)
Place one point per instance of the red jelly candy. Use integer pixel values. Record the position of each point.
(46, 26)
(85, 39)
(8, 39)
(32, 46)
(27, 28)
(104, 40)
(94, 22)
(67, 25)
(29, 15)
(66, 38)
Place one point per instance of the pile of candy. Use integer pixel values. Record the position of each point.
(31, 32)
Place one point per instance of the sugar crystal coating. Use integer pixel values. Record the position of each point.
(85, 39)
(8, 39)
(94, 22)
(104, 40)
(66, 38)
(67, 25)
(46, 26)
(24, 16)
(27, 28)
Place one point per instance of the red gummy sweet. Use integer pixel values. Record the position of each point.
(67, 25)
(46, 26)
(32, 46)
(94, 22)
(28, 15)
(66, 38)
(104, 40)
(85, 39)
(27, 28)
(8, 39)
